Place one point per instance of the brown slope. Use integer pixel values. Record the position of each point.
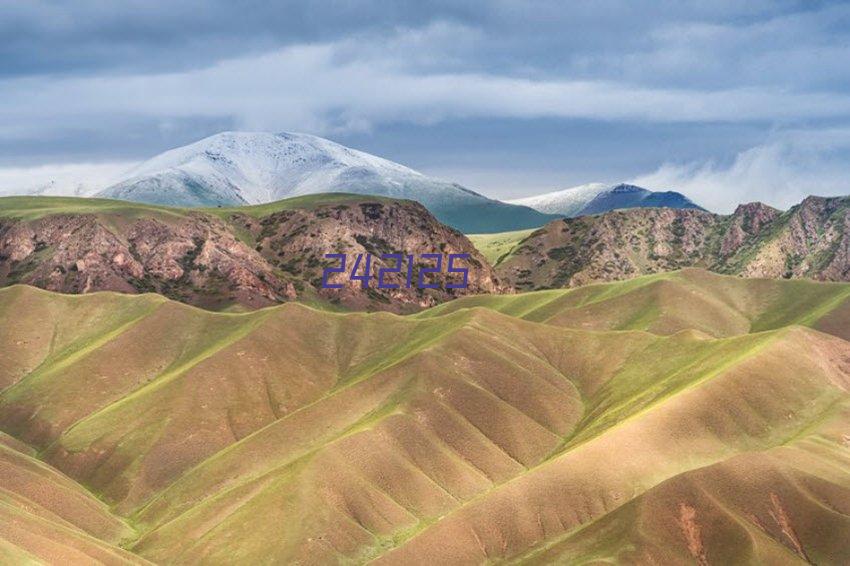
(468, 434)
(39, 489)
(26, 538)
(526, 428)
(756, 404)
(782, 506)
(810, 240)
(250, 257)
(45, 516)
(377, 501)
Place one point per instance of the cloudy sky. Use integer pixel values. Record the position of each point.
(727, 101)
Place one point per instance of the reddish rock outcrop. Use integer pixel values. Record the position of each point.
(208, 261)
(810, 240)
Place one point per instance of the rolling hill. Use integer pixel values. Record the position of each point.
(707, 424)
(688, 300)
(248, 168)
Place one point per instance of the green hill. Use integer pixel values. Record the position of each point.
(707, 423)
(497, 246)
(667, 303)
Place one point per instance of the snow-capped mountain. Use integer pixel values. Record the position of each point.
(595, 198)
(568, 202)
(631, 196)
(237, 168)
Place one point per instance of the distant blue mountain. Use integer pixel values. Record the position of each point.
(631, 196)
(596, 198)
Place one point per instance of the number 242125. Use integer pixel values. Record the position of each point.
(420, 281)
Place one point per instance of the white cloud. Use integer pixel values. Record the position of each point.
(312, 88)
(67, 179)
(708, 63)
(781, 172)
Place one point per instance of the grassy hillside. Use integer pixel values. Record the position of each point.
(667, 303)
(496, 246)
(33, 207)
(47, 511)
(707, 424)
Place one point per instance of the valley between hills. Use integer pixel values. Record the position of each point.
(684, 417)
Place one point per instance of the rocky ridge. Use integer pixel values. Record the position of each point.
(810, 240)
(234, 257)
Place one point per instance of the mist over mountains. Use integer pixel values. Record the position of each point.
(568, 284)
(247, 168)
(487, 417)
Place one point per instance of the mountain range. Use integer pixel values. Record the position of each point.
(244, 168)
(256, 256)
(462, 426)
(596, 198)
(680, 418)
(811, 240)
(249, 168)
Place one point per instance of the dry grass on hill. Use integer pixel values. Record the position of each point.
(676, 418)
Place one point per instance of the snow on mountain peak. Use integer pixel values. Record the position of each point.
(236, 168)
(594, 198)
(262, 166)
(566, 201)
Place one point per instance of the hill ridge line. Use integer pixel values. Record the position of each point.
(349, 383)
(553, 459)
(167, 377)
(77, 354)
